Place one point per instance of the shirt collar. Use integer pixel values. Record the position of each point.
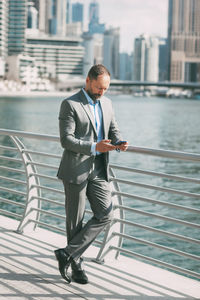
(89, 99)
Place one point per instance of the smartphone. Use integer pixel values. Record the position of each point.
(120, 143)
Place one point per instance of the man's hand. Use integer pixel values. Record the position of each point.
(104, 146)
(122, 147)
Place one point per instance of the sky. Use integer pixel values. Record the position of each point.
(134, 17)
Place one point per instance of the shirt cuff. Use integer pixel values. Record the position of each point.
(93, 149)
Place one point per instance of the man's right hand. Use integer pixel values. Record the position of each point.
(104, 146)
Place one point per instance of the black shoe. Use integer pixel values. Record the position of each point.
(78, 273)
(64, 261)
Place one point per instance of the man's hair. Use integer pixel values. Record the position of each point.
(97, 70)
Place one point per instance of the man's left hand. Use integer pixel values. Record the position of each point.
(122, 147)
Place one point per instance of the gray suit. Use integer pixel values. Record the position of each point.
(83, 174)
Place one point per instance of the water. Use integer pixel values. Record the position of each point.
(149, 122)
(160, 123)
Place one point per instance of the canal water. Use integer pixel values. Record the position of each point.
(149, 122)
(152, 122)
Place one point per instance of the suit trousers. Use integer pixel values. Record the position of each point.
(97, 190)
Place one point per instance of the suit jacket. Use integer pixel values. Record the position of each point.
(78, 132)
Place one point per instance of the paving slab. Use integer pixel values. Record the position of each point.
(28, 270)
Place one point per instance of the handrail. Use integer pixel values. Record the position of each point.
(139, 150)
(165, 153)
(39, 205)
(156, 174)
(30, 135)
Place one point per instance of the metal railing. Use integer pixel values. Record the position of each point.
(163, 230)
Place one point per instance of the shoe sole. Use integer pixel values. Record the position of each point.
(79, 281)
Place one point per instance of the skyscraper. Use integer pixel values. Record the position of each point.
(42, 15)
(94, 12)
(57, 14)
(16, 26)
(32, 16)
(3, 28)
(53, 16)
(111, 51)
(184, 40)
(77, 13)
(146, 58)
(162, 59)
(126, 66)
(94, 25)
(69, 12)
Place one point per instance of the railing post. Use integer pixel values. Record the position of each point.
(33, 193)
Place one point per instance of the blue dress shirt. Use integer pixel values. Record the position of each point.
(98, 117)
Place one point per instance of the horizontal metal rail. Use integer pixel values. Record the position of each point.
(13, 180)
(51, 201)
(157, 188)
(9, 213)
(49, 213)
(49, 226)
(44, 176)
(165, 153)
(155, 230)
(12, 191)
(155, 245)
(10, 158)
(30, 135)
(15, 203)
(8, 148)
(48, 189)
(12, 170)
(46, 154)
(139, 150)
(155, 174)
(34, 163)
(169, 219)
(132, 196)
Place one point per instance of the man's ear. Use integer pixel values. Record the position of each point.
(87, 82)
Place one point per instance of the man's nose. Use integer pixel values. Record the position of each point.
(101, 92)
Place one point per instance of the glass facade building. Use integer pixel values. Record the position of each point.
(77, 13)
(146, 58)
(184, 40)
(94, 25)
(3, 27)
(64, 55)
(111, 51)
(17, 24)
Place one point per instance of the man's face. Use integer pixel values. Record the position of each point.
(97, 88)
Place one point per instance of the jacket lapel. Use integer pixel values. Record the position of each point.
(86, 107)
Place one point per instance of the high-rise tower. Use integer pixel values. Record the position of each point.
(184, 40)
(32, 16)
(94, 25)
(57, 12)
(53, 16)
(77, 13)
(111, 51)
(17, 26)
(3, 28)
(146, 58)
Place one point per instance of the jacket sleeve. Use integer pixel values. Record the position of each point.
(67, 127)
(114, 132)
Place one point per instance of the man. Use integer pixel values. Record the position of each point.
(88, 131)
